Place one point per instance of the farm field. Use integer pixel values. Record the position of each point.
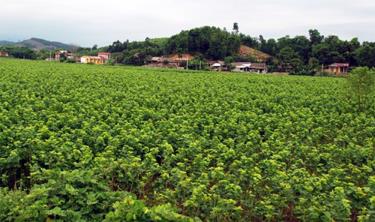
(102, 143)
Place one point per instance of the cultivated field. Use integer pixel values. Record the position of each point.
(94, 143)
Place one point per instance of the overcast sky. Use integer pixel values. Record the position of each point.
(89, 22)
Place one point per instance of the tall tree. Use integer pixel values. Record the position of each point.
(365, 55)
(315, 37)
(236, 28)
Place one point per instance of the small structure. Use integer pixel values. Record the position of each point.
(66, 55)
(338, 68)
(250, 67)
(178, 58)
(241, 66)
(105, 55)
(4, 54)
(92, 60)
(102, 58)
(178, 61)
(217, 65)
(259, 67)
(156, 60)
(60, 54)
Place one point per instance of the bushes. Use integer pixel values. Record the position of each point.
(132, 210)
(361, 86)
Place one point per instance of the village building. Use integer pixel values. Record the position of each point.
(177, 61)
(338, 69)
(250, 67)
(102, 58)
(64, 54)
(217, 65)
(105, 55)
(180, 58)
(92, 60)
(4, 54)
(156, 59)
(161, 62)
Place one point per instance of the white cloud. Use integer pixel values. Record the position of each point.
(103, 21)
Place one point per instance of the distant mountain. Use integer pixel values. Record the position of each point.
(3, 42)
(39, 44)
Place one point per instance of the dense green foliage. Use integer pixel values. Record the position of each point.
(297, 55)
(19, 52)
(93, 143)
(362, 85)
(136, 53)
(211, 42)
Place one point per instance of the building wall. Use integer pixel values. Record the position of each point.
(4, 54)
(93, 60)
(338, 70)
(105, 56)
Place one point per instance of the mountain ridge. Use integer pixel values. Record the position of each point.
(39, 44)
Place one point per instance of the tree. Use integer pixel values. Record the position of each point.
(289, 59)
(212, 42)
(236, 28)
(249, 41)
(43, 54)
(361, 85)
(365, 55)
(314, 64)
(228, 63)
(21, 52)
(315, 37)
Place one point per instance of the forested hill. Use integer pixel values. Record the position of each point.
(299, 54)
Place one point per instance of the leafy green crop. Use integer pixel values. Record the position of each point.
(94, 143)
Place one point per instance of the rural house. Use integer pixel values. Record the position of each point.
(217, 65)
(161, 62)
(105, 55)
(4, 54)
(170, 61)
(64, 54)
(338, 68)
(102, 58)
(92, 60)
(250, 67)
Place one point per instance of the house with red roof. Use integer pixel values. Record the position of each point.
(338, 69)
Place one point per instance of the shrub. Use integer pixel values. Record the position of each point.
(361, 85)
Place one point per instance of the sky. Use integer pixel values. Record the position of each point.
(89, 22)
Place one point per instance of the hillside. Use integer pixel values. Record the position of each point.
(159, 41)
(258, 55)
(39, 44)
(4, 42)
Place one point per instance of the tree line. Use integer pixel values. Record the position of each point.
(299, 54)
